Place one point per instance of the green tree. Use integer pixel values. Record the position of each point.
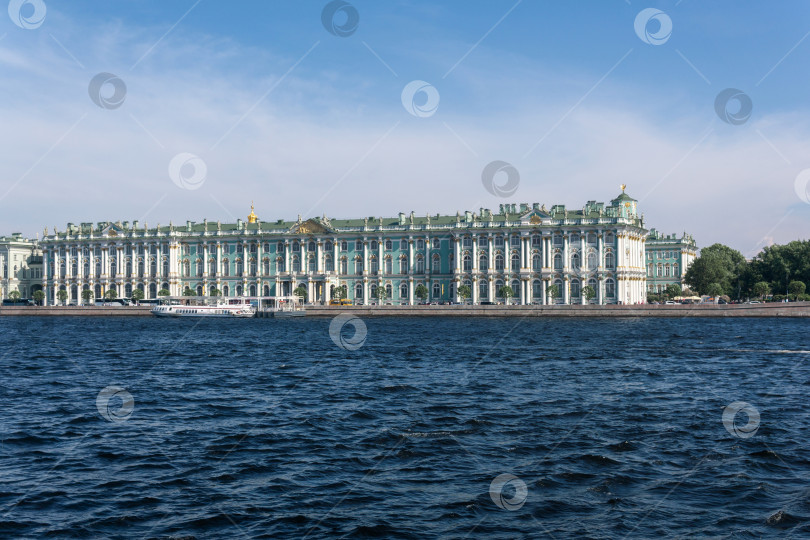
(421, 292)
(382, 293)
(552, 292)
(62, 295)
(761, 289)
(796, 288)
(137, 295)
(506, 292)
(464, 292)
(714, 289)
(717, 264)
(38, 296)
(301, 291)
(163, 292)
(111, 294)
(15, 295)
(588, 293)
(87, 294)
(339, 293)
(189, 292)
(779, 264)
(673, 290)
(213, 291)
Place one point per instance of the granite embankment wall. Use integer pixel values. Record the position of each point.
(793, 309)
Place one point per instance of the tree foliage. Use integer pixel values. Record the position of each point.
(717, 264)
(464, 291)
(421, 292)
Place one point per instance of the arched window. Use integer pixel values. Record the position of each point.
(328, 246)
(311, 246)
(358, 245)
(537, 289)
(358, 265)
(388, 245)
(296, 264)
(437, 290)
(329, 263)
(372, 291)
(266, 268)
(374, 247)
(199, 265)
(252, 290)
(536, 262)
(403, 243)
(86, 269)
(403, 290)
(141, 268)
(388, 290)
(375, 267)
(498, 287)
(483, 289)
(499, 261)
(296, 247)
(592, 264)
(238, 290)
(199, 290)
(515, 262)
(675, 270)
(279, 265)
(358, 290)
(389, 265)
(610, 288)
(575, 261)
(226, 267)
(516, 288)
(437, 244)
(98, 270)
(266, 290)
(483, 260)
(240, 268)
(575, 290)
(593, 285)
(153, 289)
(113, 268)
(165, 267)
(420, 265)
(225, 290)
(344, 266)
(659, 269)
(666, 270)
(344, 246)
(403, 265)
(557, 261)
(610, 260)
(559, 285)
(280, 247)
(467, 262)
(436, 264)
(312, 263)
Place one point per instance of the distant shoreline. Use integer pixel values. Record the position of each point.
(790, 310)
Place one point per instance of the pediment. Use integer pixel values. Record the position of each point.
(534, 217)
(310, 226)
(111, 230)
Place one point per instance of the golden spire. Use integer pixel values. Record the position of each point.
(623, 186)
(252, 218)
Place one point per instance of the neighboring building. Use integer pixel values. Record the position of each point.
(21, 262)
(527, 247)
(668, 258)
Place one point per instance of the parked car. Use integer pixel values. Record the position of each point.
(670, 303)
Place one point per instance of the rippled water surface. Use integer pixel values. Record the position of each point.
(268, 429)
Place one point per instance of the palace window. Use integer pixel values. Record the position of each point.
(344, 246)
(312, 264)
(329, 264)
(515, 262)
(403, 265)
(199, 265)
(358, 245)
(483, 289)
(575, 261)
(436, 264)
(312, 247)
(467, 242)
(437, 244)
(499, 262)
(373, 290)
(557, 261)
(186, 269)
(536, 265)
(437, 290)
(389, 265)
(420, 244)
(225, 290)
(609, 238)
(344, 266)
(296, 247)
(499, 241)
(253, 268)
(659, 269)
(675, 270)
(483, 262)
(610, 288)
(296, 264)
(403, 290)
(558, 239)
(358, 265)
(389, 245)
(666, 270)
(388, 291)
(375, 267)
(610, 260)
(265, 268)
(184, 249)
(375, 246)
(591, 238)
(420, 265)
(279, 265)
(328, 246)
(403, 243)
(226, 267)
(212, 267)
(592, 260)
(467, 263)
(165, 267)
(74, 269)
(280, 247)
(240, 268)
(358, 290)
(254, 248)
(575, 291)
(536, 240)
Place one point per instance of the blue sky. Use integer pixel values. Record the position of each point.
(301, 121)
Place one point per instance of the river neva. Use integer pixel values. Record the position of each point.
(421, 428)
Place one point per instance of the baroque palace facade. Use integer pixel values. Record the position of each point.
(544, 255)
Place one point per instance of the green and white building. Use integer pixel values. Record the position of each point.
(21, 261)
(526, 246)
(668, 258)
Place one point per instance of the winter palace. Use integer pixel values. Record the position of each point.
(600, 253)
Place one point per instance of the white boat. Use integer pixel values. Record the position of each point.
(203, 307)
